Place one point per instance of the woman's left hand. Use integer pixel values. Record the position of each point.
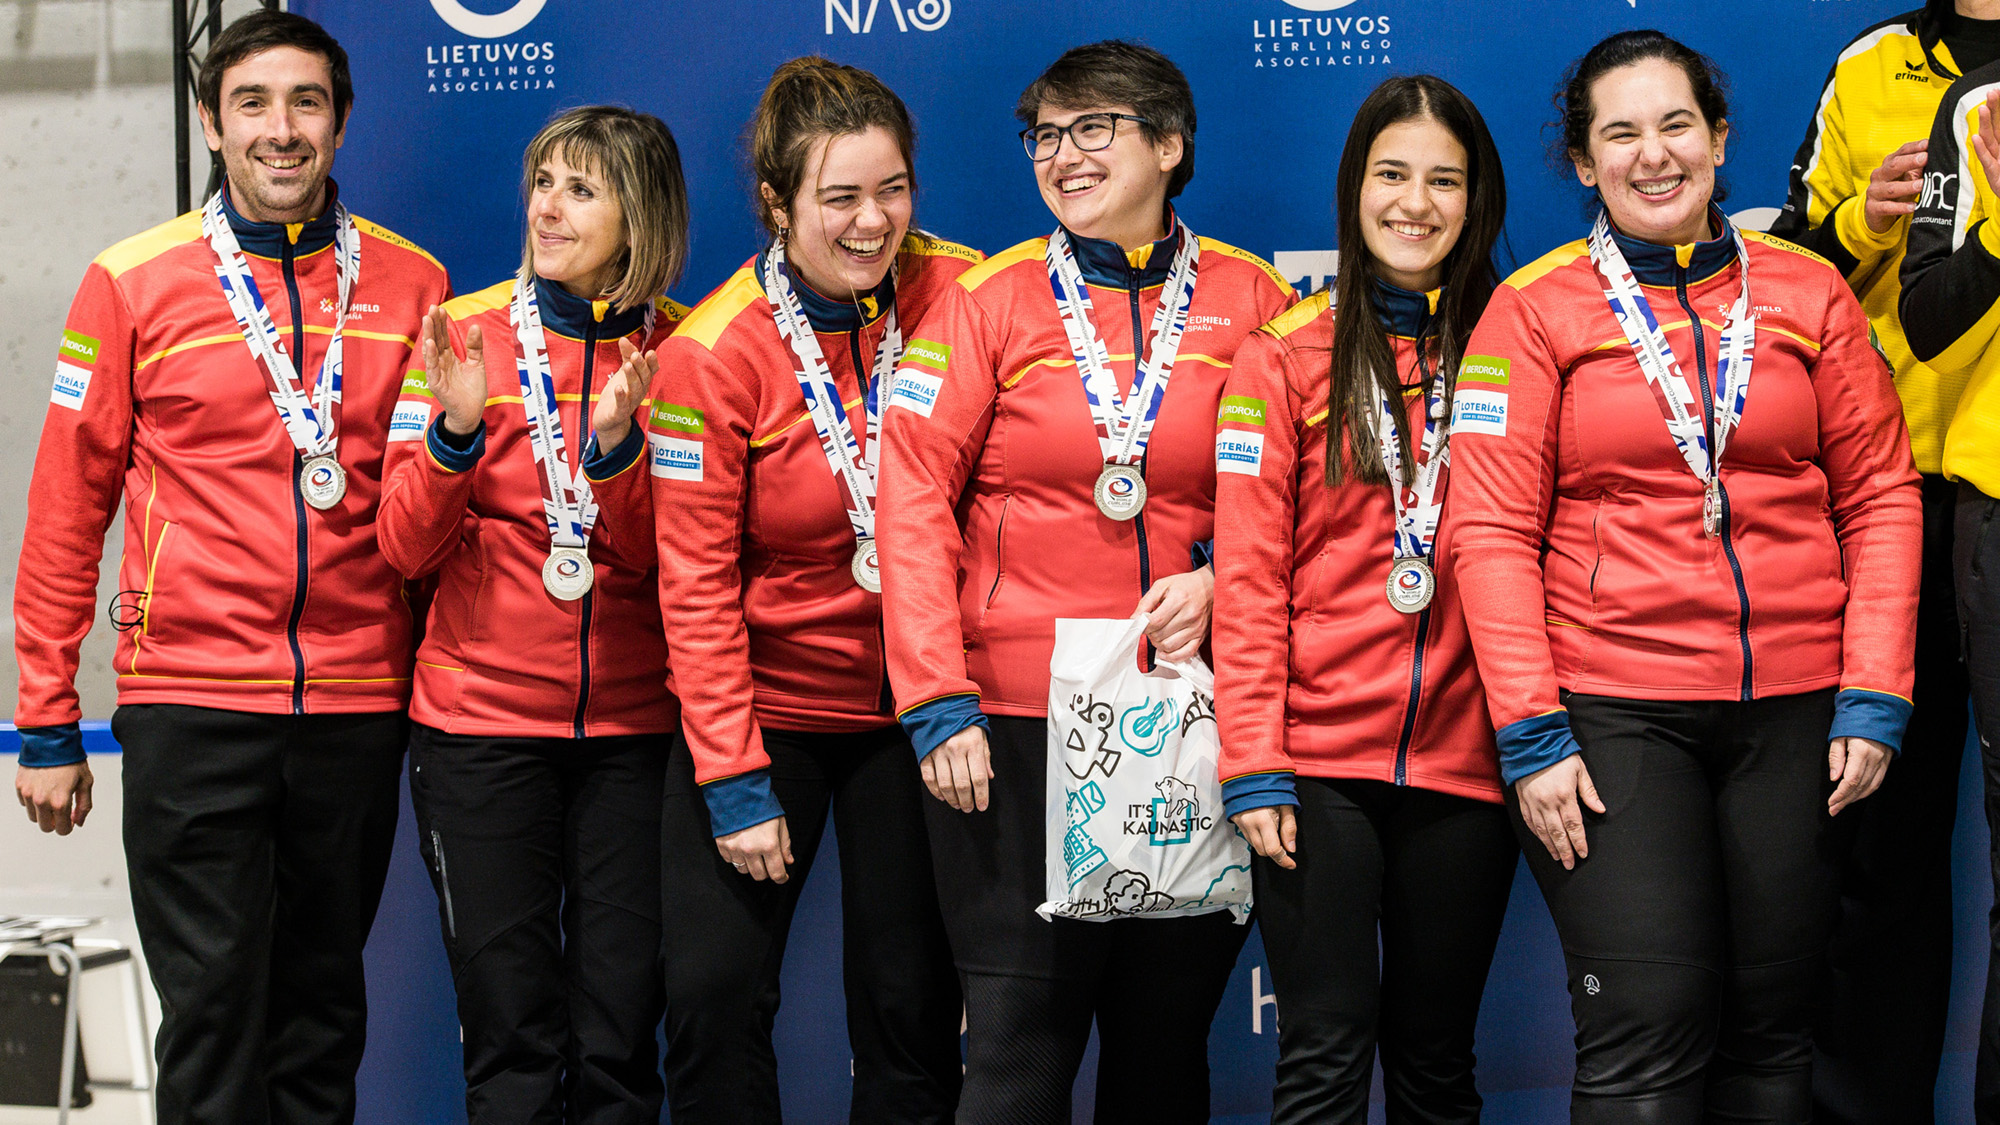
(622, 394)
(1178, 609)
(1859, 764)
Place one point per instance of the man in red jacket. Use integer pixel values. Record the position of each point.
(232, 376)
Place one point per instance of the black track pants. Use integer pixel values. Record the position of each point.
(724, 939)
(541, 851)
(1696, 929)
(1426, 873)
(1879, 1032)
(1976, 566)
(1032, 987)
(257, 846)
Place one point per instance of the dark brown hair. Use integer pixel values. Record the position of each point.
(261, 31)
(1116, 72)
(1363, 371)
(1574, 109)
(808, 100)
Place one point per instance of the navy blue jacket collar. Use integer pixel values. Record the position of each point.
(831, 314)
(1107, 265)
(567, 314)
(1404, 312)
(1654, 264)
(268, 240)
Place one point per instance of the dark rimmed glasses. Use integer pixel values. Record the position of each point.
(1092, 132)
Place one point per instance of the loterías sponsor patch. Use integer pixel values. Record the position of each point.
(1479, 405)
(76, 358)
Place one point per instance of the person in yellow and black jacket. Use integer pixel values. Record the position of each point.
(1951, 308)
(1855, 181)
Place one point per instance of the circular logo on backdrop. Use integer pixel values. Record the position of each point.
(517, 17)
(1308, 5)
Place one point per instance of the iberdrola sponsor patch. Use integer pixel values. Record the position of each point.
(673, 416)
(930, 353)
(76, 358)
(414, 383)
(1479, 404)
(1242, 410)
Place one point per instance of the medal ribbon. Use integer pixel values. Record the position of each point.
(309, 422)
(1663, 371)
(1419, 504)
(844, 455)
(567, 502)
(1123, 428)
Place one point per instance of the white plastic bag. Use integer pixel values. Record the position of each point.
(1134, 812)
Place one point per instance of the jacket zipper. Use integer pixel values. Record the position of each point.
(1423, 617)
(1708, 428)
(1139, 521)
(298, 496)
(582, 442)
(885, 698)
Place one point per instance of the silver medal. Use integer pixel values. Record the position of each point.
(1711, 510)
(323, 482)
(1120, 492)
(568, 574)
(867, 565)
(1412, 584)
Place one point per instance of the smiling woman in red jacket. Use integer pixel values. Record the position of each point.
(764, 433)
(1696, 604)
(1019, 488)
(541, 712)
(1356, 754)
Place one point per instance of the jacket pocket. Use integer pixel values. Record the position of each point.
(999, 567)
(144, 613)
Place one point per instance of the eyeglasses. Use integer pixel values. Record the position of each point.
(1092, 132)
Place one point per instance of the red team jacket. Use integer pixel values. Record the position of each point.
(1579, 523)
(754, 542)
(234, 593)
(501, 656)
(1315, 672)
(988, 527)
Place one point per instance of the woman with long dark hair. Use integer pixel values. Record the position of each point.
(766, 437)
(1356, 754)
(1038, 465)
(1696, 598)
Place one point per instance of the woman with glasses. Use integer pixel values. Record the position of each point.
(1356, 754)
(1682, 488)
(541, 718)
(765, 430)
(1039, 465)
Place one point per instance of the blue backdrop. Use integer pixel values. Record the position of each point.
(451, 90)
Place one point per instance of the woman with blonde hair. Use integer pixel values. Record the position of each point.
(540, 712)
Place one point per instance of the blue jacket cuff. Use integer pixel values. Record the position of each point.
(455, 452)
(1532, 745)
(1258, 791)
(601, 466)
(51, 746)
(736, 803)
(930, 724)
(1202, 553)
(1876, 715)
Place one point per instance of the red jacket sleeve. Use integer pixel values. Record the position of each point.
(933, 429)
(700, 427)
(1255, 525)
(625, 494)
(1877, 510)
(425, 489)
(79, 470)
(1503, 479)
